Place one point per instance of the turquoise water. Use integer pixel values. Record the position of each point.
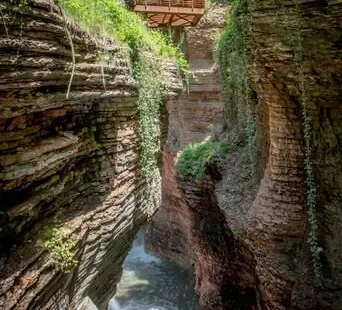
(149, 283)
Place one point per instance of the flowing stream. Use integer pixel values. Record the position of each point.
(149, 283)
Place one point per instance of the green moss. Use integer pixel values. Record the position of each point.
(61, 250)
(196, 156)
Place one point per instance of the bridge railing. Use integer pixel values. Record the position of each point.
(172, 3)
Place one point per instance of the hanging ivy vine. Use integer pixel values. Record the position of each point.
(150, 90)
(311, 187)
(290, 28)
(233, 64)
(147, 49)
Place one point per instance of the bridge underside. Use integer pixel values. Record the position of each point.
(162, 16)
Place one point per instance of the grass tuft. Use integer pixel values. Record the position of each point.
(195, 157)
(110, 18)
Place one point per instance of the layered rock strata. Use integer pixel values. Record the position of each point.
(70, 164)
(296, 65)
(295, 70)
(224, 267)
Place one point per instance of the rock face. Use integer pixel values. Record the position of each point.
(189, 118)
(296, 64)
(224, 267)
(71, 164)
(263, 220)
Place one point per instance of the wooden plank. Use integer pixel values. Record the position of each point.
(175, 3)
(185, 17)
(181, 22)
(163, 21)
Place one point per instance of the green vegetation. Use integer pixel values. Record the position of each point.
(19, 3)
(233, 64)
(195, 157)
(291, 31)
(311, 187)
(61, 250)
(147, 49)
(150, 89)
(239, 232)
(110, 18)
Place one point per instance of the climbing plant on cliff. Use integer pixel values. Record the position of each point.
(150, 88)
(233, 64)
(147, 49)
(61, 250)
(289, 27)
(311, 188)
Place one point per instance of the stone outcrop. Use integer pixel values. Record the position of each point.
(70, 164)
(224, 267)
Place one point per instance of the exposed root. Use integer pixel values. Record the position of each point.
(103, 77)
(4, 22)
(72, 52)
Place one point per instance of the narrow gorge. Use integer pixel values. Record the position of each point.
(222, 140)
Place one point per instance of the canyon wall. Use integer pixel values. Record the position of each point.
(256, 244)
(295, 66)
(69, 167)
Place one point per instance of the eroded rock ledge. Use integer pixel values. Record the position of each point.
(68, 163)
(224, 266)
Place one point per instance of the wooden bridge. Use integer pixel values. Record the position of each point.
(174, 13)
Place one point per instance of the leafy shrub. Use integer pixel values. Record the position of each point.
(196, 156)
(61, 250)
